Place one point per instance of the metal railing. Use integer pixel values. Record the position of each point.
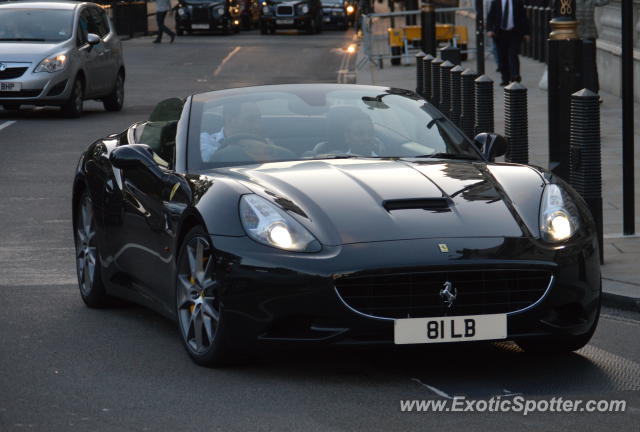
(375, 43)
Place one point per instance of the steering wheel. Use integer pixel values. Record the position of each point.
(236, 139)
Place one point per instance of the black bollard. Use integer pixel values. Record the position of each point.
(419, 73)
(565, 78)
(451, 53)
(435, 81)
(484, 104)
(426, 79)
(455, 102)
(585, 173)
(467, 91)
(516, 124)
(445, 87)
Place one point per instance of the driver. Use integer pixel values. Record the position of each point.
(237, 118)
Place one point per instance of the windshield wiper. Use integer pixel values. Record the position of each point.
(447, 156)
(23, 39)
(335, 156)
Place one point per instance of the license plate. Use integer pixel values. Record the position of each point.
(200, 26)
(327, 19)
(284, 21)
(450, 329)
(10, 86)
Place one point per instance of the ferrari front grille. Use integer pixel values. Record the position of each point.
(418, 294)
(284, 11)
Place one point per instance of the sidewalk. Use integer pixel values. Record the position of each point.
(620, 274)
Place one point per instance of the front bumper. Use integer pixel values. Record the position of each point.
(272, 296)
(40, 88)
(219, 23)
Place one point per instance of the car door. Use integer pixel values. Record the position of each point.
(89, 55)
(108, 65)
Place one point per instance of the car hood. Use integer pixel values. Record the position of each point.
(28, 52)
(363, 200)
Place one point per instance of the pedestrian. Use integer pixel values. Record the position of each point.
(588, 33)
(162, 7)
(507, 24)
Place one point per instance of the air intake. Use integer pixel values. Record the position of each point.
(435, 204)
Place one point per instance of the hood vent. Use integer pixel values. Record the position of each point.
(433, 204)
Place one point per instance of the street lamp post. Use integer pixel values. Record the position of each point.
(628, 187)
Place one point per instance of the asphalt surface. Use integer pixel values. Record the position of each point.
(66, 367)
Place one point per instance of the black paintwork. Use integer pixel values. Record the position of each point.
(363, 213)
(202, 12)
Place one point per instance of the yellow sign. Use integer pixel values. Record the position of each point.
(443, 247)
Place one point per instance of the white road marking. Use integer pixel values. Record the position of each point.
(432, 388)
(225, 60)
(6, 124)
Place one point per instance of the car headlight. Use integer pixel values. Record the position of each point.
(182, 11)
(558, 215)
(219, 11)
(350, 9)
(303, 8)
(53, 64)
(266, 10)
(268, 224)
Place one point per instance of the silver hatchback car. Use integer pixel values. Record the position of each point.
(59, 53)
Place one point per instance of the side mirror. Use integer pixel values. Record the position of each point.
(491, 145)
(132, 156)
(93, 39)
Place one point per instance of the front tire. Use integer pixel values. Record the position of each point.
(198, 304)
(92, 289)
(115, 99)
(74, 106)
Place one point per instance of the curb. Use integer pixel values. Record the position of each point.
(621, 302)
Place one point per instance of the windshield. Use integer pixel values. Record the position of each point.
(317, 122)
(35, 25)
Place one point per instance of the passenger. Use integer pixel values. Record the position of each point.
(237, 118)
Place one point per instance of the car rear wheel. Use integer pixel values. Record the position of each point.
(198, 304)
(115, 100)
(74, 106)
(92, 289)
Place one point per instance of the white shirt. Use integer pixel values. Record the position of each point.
(210, 143)
(510, 18)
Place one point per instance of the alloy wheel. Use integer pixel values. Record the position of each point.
(197, 302)
(86, 251)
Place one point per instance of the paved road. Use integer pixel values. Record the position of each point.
(65, 367)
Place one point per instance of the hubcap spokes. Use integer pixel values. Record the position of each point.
(85, 247)
(198, 306)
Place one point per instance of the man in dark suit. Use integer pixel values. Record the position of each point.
(507, 24)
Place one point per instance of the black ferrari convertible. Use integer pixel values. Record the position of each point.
(331, 214)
